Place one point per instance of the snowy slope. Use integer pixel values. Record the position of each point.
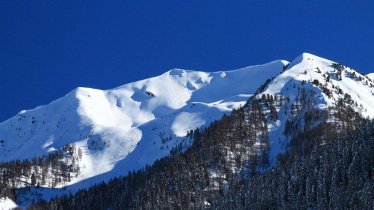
(304, 72)
(371, 76)
(134, 124)
(309, 67)
(128, 127)
(6, 203)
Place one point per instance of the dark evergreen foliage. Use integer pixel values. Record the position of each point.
(36, 172)
(335, 175)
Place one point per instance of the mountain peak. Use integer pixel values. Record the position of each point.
(177, 72)
(306, 55)
(335, 82)
(307, 59)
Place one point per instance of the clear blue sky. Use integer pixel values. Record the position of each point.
(47, 48)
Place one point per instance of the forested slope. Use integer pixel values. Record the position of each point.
(327, 165)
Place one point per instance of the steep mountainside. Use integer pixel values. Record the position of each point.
(90, 135)
(313, 82)
(302, 125)
(332, 82)
(135, 124)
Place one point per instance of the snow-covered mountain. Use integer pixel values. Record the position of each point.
(328, 81)
(334, 81)
(134, 124)
(128, 127)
